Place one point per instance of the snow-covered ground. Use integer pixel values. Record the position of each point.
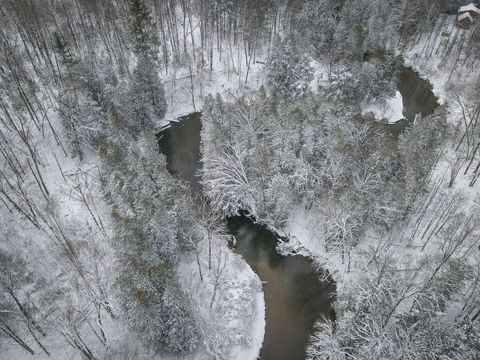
(443, 57)
(186, 87)
(439, 59)
(75, 211)
(178, 88)
(233, 325)
(389, 110)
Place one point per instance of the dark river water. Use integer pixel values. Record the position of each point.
(295, 297)
(418, 98)
(417, 93)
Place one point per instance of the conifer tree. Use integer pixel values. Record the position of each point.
(146, 243)
(146, 94)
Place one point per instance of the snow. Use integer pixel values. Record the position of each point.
(236, 322)
(320, 75)
(441, 59)
(230, 76)
(469, 7)
(465, 16)
(302, 230)
(240, 325)
(257, 333)
(64, 177)
(234, 326)
(179, 93)
(390, 109)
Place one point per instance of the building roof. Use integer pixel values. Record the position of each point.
(469, 7)
(465, 15)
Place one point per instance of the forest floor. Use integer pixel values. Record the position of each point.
(229, 77)
(443, 61)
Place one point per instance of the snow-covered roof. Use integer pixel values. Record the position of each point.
(465, 16)
(469, 7)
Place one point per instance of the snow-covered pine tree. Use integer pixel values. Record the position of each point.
(144, 101)
(288, 69)
(146, 242)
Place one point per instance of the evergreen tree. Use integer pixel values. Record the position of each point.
(61, 48)
(87, 90)
(146, 94)
(288, 70)
(146, 242)
(142, 27)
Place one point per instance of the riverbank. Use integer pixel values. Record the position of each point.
(304, 226)
(225, 72)
(225, 292)
(231, 317)
(441, 58)
(444, 58)
(416, 243)
(293, 293)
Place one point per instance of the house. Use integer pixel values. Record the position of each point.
(464, 20)
(466, 15)
(471, 9)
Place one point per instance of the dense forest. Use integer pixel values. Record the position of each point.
(106, 253)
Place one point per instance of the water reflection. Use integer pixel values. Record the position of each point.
(294, 296)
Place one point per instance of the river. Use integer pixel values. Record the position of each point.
(295, 297)
(417, 94)
(418, 98)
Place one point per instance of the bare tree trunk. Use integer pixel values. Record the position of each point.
(199, 265)
(12, 335)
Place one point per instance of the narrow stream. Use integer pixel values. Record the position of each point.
(295, 297)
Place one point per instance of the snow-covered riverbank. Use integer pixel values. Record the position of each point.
(233, 325)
